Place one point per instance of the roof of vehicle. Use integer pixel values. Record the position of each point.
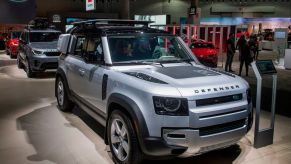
(41, 30)
(114, 26)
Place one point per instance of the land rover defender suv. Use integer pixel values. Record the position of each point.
(151, 94)
(38, 48)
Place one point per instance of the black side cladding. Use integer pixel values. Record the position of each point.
(104, 86)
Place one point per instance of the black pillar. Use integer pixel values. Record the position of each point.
(124, 9)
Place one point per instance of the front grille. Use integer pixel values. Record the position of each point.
(50, 65)
(221, 127)
(219, 100)
(52, 53)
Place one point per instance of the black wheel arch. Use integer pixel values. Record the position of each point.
(131, 109)
(150, 146)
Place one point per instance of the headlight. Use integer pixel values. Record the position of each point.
(249, 95)
(14, 44)
(171, 106)
(36, 52)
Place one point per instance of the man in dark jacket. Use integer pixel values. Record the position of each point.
(230, 52)
(245, 55)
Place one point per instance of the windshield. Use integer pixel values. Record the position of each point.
(201, 45)
(44, 36)
(150, 48)
(15, 35)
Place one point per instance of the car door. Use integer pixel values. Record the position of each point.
(74, 64)
(93, 76)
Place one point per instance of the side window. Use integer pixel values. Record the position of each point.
(93, 53)
(80, 46)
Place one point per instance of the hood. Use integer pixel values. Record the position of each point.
(44, 46)
(190, 80)
(181, 76)
(204, 51)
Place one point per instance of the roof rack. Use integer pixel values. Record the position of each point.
(113, 22)
(39, 23)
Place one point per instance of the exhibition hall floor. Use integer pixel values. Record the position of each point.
(34, 131)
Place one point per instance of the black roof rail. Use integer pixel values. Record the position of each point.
(113, 22)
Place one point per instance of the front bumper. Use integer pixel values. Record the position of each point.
(42, 63)
(198, 143)
(191, 142)
(210, 128)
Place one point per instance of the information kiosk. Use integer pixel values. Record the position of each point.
(263, 68)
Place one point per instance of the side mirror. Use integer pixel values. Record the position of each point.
(64, 43)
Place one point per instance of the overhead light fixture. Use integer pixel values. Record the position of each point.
(18, 1)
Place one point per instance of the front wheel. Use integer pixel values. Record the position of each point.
(64, 103)
(19, 63)
(11, 56)
(122, 138)
(7, 52)
(29, 72)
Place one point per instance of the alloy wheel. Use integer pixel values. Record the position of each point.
(120, 139)
(60, 93)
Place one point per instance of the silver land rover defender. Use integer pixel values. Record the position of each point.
(152, 95)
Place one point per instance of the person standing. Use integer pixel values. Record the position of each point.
(260, 47)
(245, 55)
(230, 53)
(253, 44)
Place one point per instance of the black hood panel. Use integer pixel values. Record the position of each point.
(183, 72)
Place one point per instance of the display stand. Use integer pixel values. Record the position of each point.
(262, 68)
(287, 59)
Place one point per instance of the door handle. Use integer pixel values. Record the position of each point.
(81, 72)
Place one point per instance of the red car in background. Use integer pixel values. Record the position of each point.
(206, 53)
(12, 44)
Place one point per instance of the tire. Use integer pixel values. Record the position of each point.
(124, 148)
(7, 52)
(64, 103)
(29, 72)
(11, 56)
(19, 63)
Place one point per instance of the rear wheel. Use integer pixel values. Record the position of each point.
(64, 103)
(122, 138)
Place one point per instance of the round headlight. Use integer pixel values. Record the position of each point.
(171, 104)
